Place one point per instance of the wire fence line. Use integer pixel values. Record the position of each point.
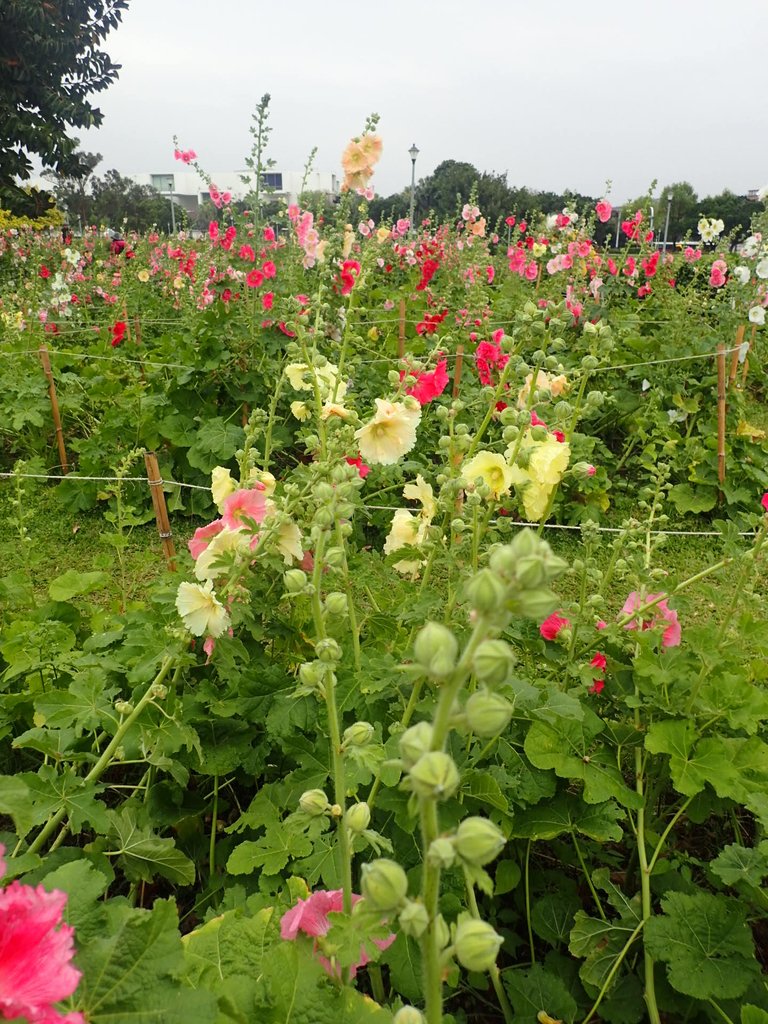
(372, 508)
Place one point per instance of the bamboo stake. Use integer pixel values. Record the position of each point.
(457, 370)
(735, 355)
(401, 331)
(745, 368)
(54, 408)
(161, 512)
(721, 416)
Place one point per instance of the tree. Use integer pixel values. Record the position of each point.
(50, 62)
(118, 202)
(683, 213)
(735, 211)
(72, 190)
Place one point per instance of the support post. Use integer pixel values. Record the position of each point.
(721, 416)
(735, 355)
(457, 370)
(54, 408)
(161, 512)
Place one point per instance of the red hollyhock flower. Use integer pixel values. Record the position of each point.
(429, 385)
(599, 661)
(362, 469)
(118, 332)
(44, 272)
(552, 625)
(254, 278)
(598, 686)
(764, 501)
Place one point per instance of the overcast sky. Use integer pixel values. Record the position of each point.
(558, 93)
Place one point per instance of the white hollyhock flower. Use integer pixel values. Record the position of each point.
(201, 611)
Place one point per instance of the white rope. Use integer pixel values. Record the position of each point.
(104, 479)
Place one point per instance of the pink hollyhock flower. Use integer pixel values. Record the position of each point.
(254, 278)
(559, 436)
(509, 221)
(362, 469)
(267, 299)
(269, 269)
(532, 270)
(429, 385)
(36, 950)
(310, 916)
(247, 503)
(764, 501)
(203, 536)
(213, 230)
(552, 625)
(269, 234)
(246, 253)
(662, 614)
(599, 661)
(536, 421)
(603, 210)
(718, 273)
(601, 624)
(293, 212)
(597, 686)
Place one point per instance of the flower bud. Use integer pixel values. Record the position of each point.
(493, 662)
(334, 557)
(436, 649)
(384, 884)
(486, 592)
(476, 944)
(357, 735)
(314, 802)
(536, 604)
(583, 470)
(311, 673)
(158, 691)
(487, 713)
(408, 1015)
(530, 571)
(327, 650)
(358, 817)
(435, 775)
(336, 603)
(324, 517)
(441, 852)
(414, 742)
(295, 581)
(478, 841)
(122, 707)
(414, 919)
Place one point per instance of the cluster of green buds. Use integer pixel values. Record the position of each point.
(516, 581)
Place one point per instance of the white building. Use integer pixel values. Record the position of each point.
(186, 188)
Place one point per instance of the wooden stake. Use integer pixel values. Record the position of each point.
(721, 416)
(735, 355)
(161, 512)
(401, 331)
(457, 370)
(54, 408)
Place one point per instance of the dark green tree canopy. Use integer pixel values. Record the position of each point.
(50, 63)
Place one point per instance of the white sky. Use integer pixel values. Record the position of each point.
(558, 93)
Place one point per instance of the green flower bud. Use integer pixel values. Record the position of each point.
(436, 650)
(478, 841)
(158, 691)
(358, 817)
(530, 571)
(408, 1015)
(435, 775)
(442, 932)
(357, 735)
(487, 713)
(336, 603)
(328, 650)
(583, 470)
(536, 604)
(311, 673)
(314, 802)
(476, 944)
(414, 919)
(441, 852)
(384, 884)
(324, 517)
(122, 707)
(589, 328)
(486, 592)
(493, 662)
(334, 557)
(295, 581)
(414, 742)
(324, 492)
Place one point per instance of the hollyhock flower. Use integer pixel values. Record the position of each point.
(718, 273)
(599, 661)
(267, 300)
(691, 255)
(407, 530)
(552, 626)
(764, 501)
(222, 485)
(597, 686)
(422, 491)
(310, 916)
(603, 209)
(288, 540)
(661, 613)
(269, 269)
(44, 272)
(202, 537)
(119, 329)
(362, 469)
(492, 469)
(390, 434)
(201, 611)
(429, 385)
(761, 269)
(246, 503)
(301, 411)
(36, 950)
(254, 278)
(742, 274)
(226, 541)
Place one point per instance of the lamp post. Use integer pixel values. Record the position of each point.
(413, 153)
(618, 227)
(173, 211)
(666, 222)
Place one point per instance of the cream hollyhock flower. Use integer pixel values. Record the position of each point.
(263, 477)
(547, 462)
(422, 491)
(334, 409)
(300, 377)
(301, 411)
(492, 469)
(407, 530)
(143, 276)
(762, 268)
(757, 315)
(288, 540)
(225, 541)
(390, 434)
(556, 386)
(201, 611)
(742, 274)
(222, 485)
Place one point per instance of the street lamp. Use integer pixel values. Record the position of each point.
(413, 153)
(618, 227)
(173, 208)
(666, 223)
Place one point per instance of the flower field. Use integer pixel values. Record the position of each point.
(410, 713)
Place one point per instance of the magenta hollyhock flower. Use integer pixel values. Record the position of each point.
(429, 385)
(362, 469)
(662, 614)
(35, 954)
(764, 501)
(202, 537)
(599, 661)
(247, 503)
(310, 916)
(552, 625)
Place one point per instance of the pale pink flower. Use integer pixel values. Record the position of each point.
(603, 211)
(247, 503)
(310, 916)
(203, 536)
(661, 613)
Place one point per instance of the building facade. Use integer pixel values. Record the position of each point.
(187, 189)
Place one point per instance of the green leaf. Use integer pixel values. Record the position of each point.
(84, 886)
(270, 853)
(404, 961)
(507, 877)
(689, 771)
(736, 864)
(599, 943)
(84, 705)
(74, 583)
(686, 499)
(15, 802)
(567, 813)
(753, 1015)
(552, 916)
(706, 943)
(535, 989)
(483, 788)
(144, 855)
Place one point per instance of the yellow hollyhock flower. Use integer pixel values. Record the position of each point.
(222, 485)
(201, 611)
(301, 411)
(390, 434)
(549, 461)
(422, 491)
(407, 530)
(492, 469)
(227, 540)
(288, 539)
